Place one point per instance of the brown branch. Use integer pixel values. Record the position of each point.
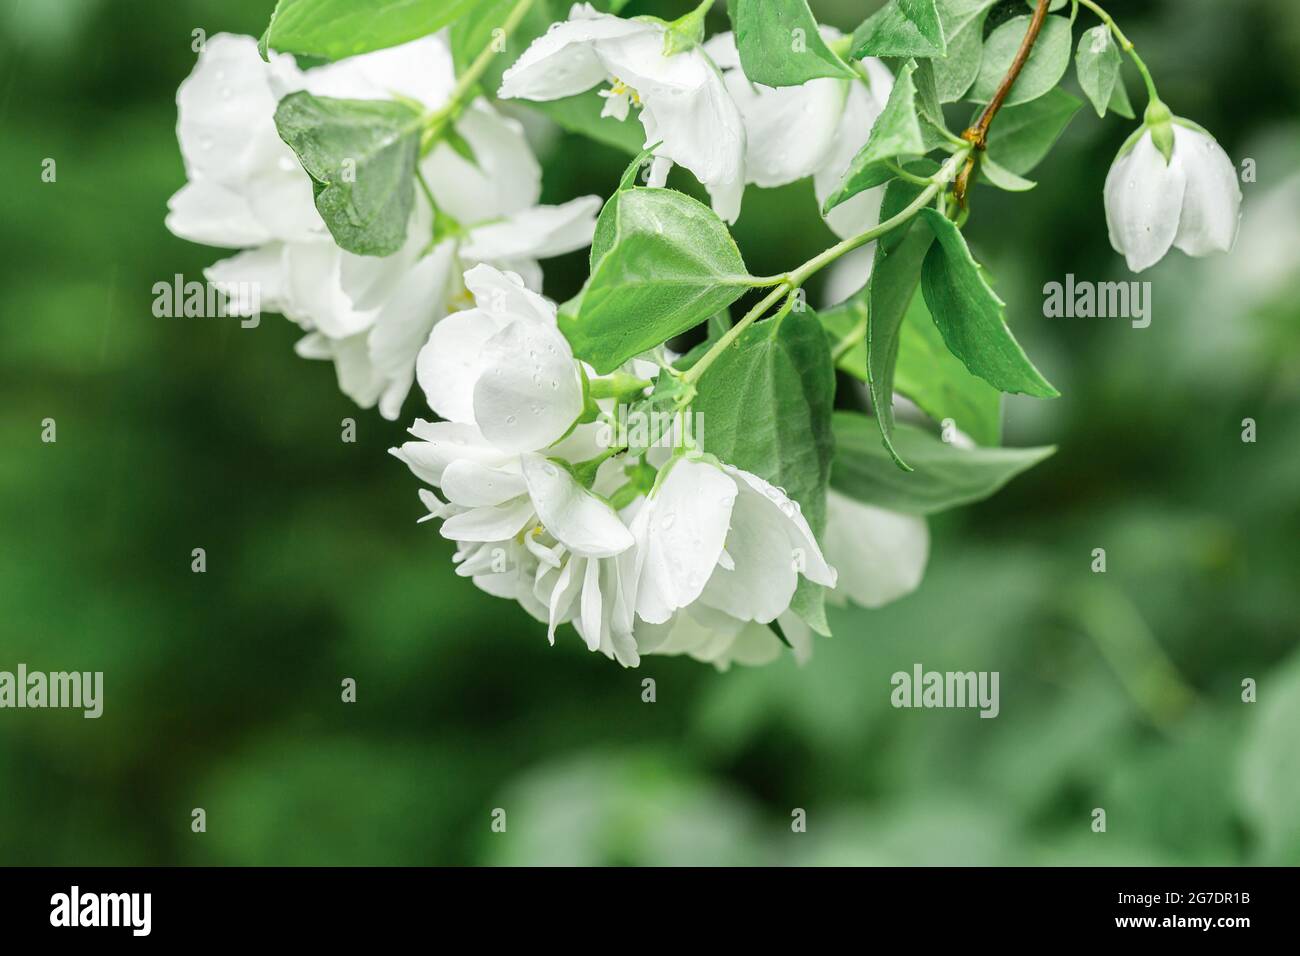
(978, 134)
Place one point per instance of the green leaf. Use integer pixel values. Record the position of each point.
(901, 28)
(963, 25)
(944, 476)
(765, 404)
(971, 316)
(809, 603)
(1021, 136)
(1119, 101)
(335, 29)
(780, 44)
(926, 372)
(361, 156)
(894, 275)
(671, 263)
(1042, 71)
(897, 132)
(940, 384)
(1097, 63)
(1004, 178)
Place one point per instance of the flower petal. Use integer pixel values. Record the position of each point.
(680, 532)
(563, 61)
(1144, 199)
(497, 523)
(1212, 201)
(579, 520)
(441, 443)
(529, 392)
(880, 555)
(535, 233)
(475, 485)
(503, 177)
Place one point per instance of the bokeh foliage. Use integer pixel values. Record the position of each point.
(1119, 691)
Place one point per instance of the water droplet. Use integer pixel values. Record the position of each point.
(510, 419)
(667, 521)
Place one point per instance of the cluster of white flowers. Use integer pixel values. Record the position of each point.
(706, 115)
(370, 315)
(698, 562)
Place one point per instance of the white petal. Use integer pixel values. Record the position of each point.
(680, 533)
(405, 321)
(498, 523)
(314, 291)
(567, 587)
(253, 280)
(419, 70)
(770, 542)
(578, 519)
(529, 392)
(536, 233)
(788, 131)
(476, 485)
(563, 61)
(503, 178)
(1212, 201)
(205, 211)
(592, 606)
(506, 296)
(879, 555)
(1144, 199)
(451, 361)
(441, 443)
(865, 101)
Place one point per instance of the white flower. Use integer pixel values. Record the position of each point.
(1192, 200)
(724, 537)
(815, 129)
(880, 555)
(369, 315)
(684, 104)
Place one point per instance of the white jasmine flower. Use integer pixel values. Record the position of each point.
(370, 315)
(724, 537)
(815, 129)
(880, 555)
(1191, 200)
(683, 103)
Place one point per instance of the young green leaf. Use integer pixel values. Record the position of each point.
(1021, 136)
(971, 316)
(765, 404)
(780, 44)
(1097, 64)
(926, 372)
(894, 275)
(944, 476)
(897, 132)
(1004, 178)
(1042, 71)
(901, 28)
(940, 384)
(361, 156)
(670, 265)
(335, 29)
(963, 26)
(1119, 101)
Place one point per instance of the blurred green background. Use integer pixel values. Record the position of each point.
(222, 690)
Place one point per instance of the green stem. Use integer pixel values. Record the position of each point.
(799, 276)
(468, 80)
(1126, 45)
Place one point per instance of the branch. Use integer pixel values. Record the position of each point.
(978, 134)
